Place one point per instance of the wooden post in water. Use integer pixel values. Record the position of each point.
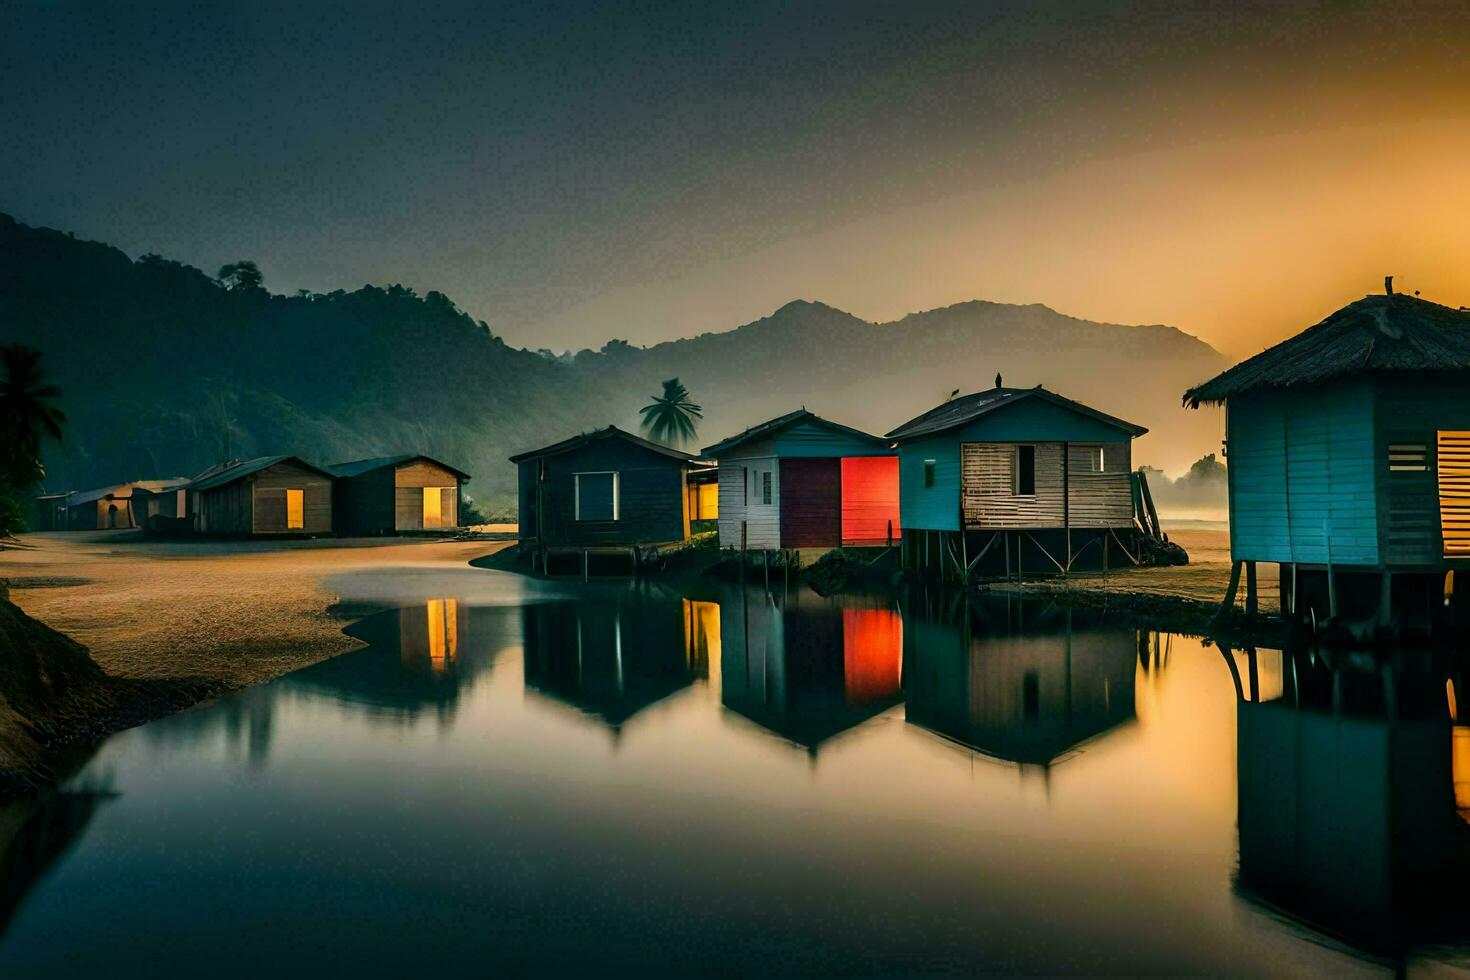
(1251, 600)
(766, 561)
(1007, 536)
(584, 564)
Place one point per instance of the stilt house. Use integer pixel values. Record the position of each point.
(800, 481)
(604, 488)
(1348, 453)
(1016, 478)
(396, 493)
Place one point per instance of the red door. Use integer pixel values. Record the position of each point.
(869, 499)
(811, 503)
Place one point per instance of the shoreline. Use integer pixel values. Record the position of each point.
(110, 630)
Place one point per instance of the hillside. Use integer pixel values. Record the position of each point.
(164, 371)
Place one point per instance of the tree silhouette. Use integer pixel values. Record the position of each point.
(242, 275)
(28, 415)
(671, 417)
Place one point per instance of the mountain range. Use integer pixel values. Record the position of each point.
(164, 371)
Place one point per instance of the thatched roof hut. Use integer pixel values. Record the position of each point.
(1392, 332)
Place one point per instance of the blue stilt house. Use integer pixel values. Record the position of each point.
(1016, 478)
(1348, 448)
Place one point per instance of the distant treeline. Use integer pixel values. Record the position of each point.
(1203, 486)
(165, 369)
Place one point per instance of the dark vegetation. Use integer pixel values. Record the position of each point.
(167, 369)
(53, 695)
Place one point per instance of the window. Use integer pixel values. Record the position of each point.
(1099, 459)
(432, 507)
(1408, 457)
(929, 472)
(597, 496)
(766, 487)
(1025, 471)
(295, 510)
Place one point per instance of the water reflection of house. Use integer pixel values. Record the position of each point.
(809, 669)
(1348, 803)
(613, 656)
(1020, 681)
(421, 656)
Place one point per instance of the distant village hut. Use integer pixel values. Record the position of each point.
(604, 489)
(801, 481)
(270, 495)
(396, 493)
(120, 505)
(1348, 452)
(1011, 479)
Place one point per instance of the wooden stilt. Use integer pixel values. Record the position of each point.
(766, 561)
(584, 565)
(1251, 601)
(1008, 554)
(1228, 603)
(1385, 599)
(1255, 672)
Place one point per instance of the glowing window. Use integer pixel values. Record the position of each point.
(295, 510)
(432, 497)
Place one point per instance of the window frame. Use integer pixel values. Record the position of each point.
(617, 496)
(1016, 456)
(929, 470)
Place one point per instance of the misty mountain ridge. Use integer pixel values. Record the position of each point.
(164, 371)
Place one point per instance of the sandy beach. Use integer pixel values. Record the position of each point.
(236, 612)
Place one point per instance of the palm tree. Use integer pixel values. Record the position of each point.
(670, 417)
(27, 415)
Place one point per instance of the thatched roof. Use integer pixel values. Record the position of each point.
(967, 408)
(1390, 332)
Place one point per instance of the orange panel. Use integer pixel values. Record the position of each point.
(872, 654)
(869, 498)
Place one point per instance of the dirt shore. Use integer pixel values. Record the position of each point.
(236, 612)
(168, 623)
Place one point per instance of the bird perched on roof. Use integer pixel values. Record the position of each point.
(997, 379)
(952, 395)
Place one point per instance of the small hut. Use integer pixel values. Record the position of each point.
(396, 493)
(1015, 478)
(268, 495)
(1348, 448)
(120, 505)
(801, 481)
(607, 488)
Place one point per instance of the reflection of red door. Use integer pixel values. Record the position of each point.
(811, 503)
(872, 654)
(869, 498)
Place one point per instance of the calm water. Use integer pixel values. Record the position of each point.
(512, 779)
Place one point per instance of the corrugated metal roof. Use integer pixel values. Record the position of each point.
(780, 422)
(968, 408)
(586, 438)
(361, 466)
(218, 476)
(1389, 332)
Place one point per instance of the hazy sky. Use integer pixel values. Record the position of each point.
(570, 172)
